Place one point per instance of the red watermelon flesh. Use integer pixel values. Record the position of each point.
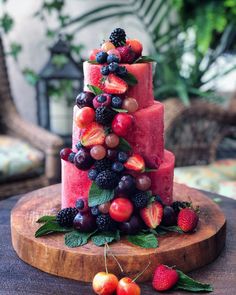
(76, 131)
(142, 91)
(146, 137)
(162, 179)
(75, 184)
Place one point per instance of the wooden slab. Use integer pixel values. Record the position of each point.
(186, 252)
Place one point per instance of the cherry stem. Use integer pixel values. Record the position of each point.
(121, 269)
(105, 258)
(142, 272)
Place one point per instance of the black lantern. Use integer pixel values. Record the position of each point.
(59, 82)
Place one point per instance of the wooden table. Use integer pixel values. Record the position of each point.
(16, 277)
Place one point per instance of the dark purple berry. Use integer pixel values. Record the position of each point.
(71, 157)
(112, 58)
(116, 102)
(84, 222)
(169, 216)
(95, 211)
(64, 153)
(122, 157)
(126, 184)
(79, 145)
(117, 167)
(131, 226)
(79, 204)
(92, 174)
(122, 71)
(112, 154)
(85, 99)
(83, 160)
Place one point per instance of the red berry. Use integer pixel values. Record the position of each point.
(164, 278)
(135, 163)
(127, 54)
(84, 116)
(94, 134)
(64, 153)
(152, 215)
(136, 46)
(127, 286)
(93, 53)
(187, 219)
(122, 123)
(115, 85)
(114, 52)
(121, 209)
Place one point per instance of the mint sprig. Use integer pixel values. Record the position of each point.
(46, 218)
(149, 169)
(172, 228)
(98, 196)
(144, 59)
(50, 227)
(188, 284)
(143, 240)
(124, 145)
(130, 79)
(94, 89)
(76, 238)
(100, 239)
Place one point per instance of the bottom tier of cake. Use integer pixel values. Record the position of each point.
(76, 184)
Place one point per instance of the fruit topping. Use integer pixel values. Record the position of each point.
(105, 223)
(164, 278)
(127, 54)
(113, 67)
(64, 153)
(136, 46)
(95, 211)
(92, 174)
(83, 160)
(122, 123)
(84, 222)
(187, 219)
(107, 179)
(84, 116)
(104, 283)
(177, 206)
(135, 163)
(130, 104)
(98, 152)
(102, 165)
(104, 208)
(101, 57)
(122, 71)
(132, 226)
(158, 199)
(121, 209)
(93, 53)
(115, 85)
(66, 216)
(152, 215)
(71, 157)
(112, 140)
(105, 70)
(118, 37)
(122, 157)
(169, 216)
(106, 46)
(113, 58)
(79, 145)
(94, 134)
(102, 100)
(143, 182)
(112, 154)
(126, 185)
(114, 52)
(104, 115)
(116, 102)
(117, 167)
(82, 204)
(127, 286)
(140, 199)
(85, 99)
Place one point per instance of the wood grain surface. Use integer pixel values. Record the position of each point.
(50, 254)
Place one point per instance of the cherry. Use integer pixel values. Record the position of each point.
(104, 283)
(84, 116)
(126, 286)
(122, 123)
(64, 153)
(121, 209)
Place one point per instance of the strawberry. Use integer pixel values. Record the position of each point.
(187, 219)
(135, 163)
(92, 54)
(115, 85)
(127, 54)
(136, 46)
(164, 278)
(94, 134)
(152, 215)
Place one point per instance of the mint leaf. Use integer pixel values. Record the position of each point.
(130, 79)
(76, 238)
(50, 227)
(161, 231)
(98, 196)
(93, 62)
(143, 240)
(172, 228)
(124, 145)
(120, 110)
(46, 218)
(94, 89)
(143, 59)
(188, 284)
(101, 239)
(149, 170)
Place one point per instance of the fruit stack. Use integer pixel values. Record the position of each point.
(117, 164)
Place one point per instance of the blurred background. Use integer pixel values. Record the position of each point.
(194, 44)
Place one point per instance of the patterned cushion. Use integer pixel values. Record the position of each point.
(18, 159)
(218, 177)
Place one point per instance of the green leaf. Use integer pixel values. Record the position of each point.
(30, 76)
(101, 239)
(50, 227)
(172, 228)
(161, 231)
(76, 238)
(46, 218)
(188, 284)
(93, 62)
(94, 89)
(98, 196)
(143, 240)
(130, 79)
(6, 22)
(59, 60)
(144, 59)
(15, 49)
(124, 145)
(120, 110)
(149, 170)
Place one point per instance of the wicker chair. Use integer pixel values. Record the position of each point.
(194, 133)
(12, 124)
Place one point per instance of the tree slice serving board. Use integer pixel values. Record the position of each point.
(49, 253)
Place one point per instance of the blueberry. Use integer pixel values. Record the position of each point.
(105, 70)
(79, 204)
(101, 57)
(95, 211)
(113, 67)
(71, 157)
(92, 174)
(122, 157)
(116, 102)
(79, 145)
(101, 98)
(112, 58)
(121, 71)
(117, 167)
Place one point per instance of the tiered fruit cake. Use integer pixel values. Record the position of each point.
(117, 176)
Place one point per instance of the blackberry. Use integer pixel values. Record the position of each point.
(105, 223)
(118, 37)
(71, 157)
(102, 165)
(66, 216)
(177, 206)
(107, 179)
(140, 199)
(92, 174)
(104, 115)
